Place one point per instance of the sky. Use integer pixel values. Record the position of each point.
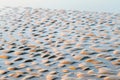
(83, 5)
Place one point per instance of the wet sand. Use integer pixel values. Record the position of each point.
(45, 44)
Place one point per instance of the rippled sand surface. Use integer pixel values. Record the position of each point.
(44, 44)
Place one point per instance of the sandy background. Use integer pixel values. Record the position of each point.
(87, 5)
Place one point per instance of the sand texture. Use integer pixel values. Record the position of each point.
(45, 44)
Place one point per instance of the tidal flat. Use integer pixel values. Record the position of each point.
(57, 44)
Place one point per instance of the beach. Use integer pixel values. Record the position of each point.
(58, 44)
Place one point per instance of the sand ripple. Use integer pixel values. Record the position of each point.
(44, 44)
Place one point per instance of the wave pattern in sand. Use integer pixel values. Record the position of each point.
(44, 44)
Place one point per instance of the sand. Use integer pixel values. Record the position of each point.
(45, 44)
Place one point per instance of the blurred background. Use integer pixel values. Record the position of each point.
(83, 5)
